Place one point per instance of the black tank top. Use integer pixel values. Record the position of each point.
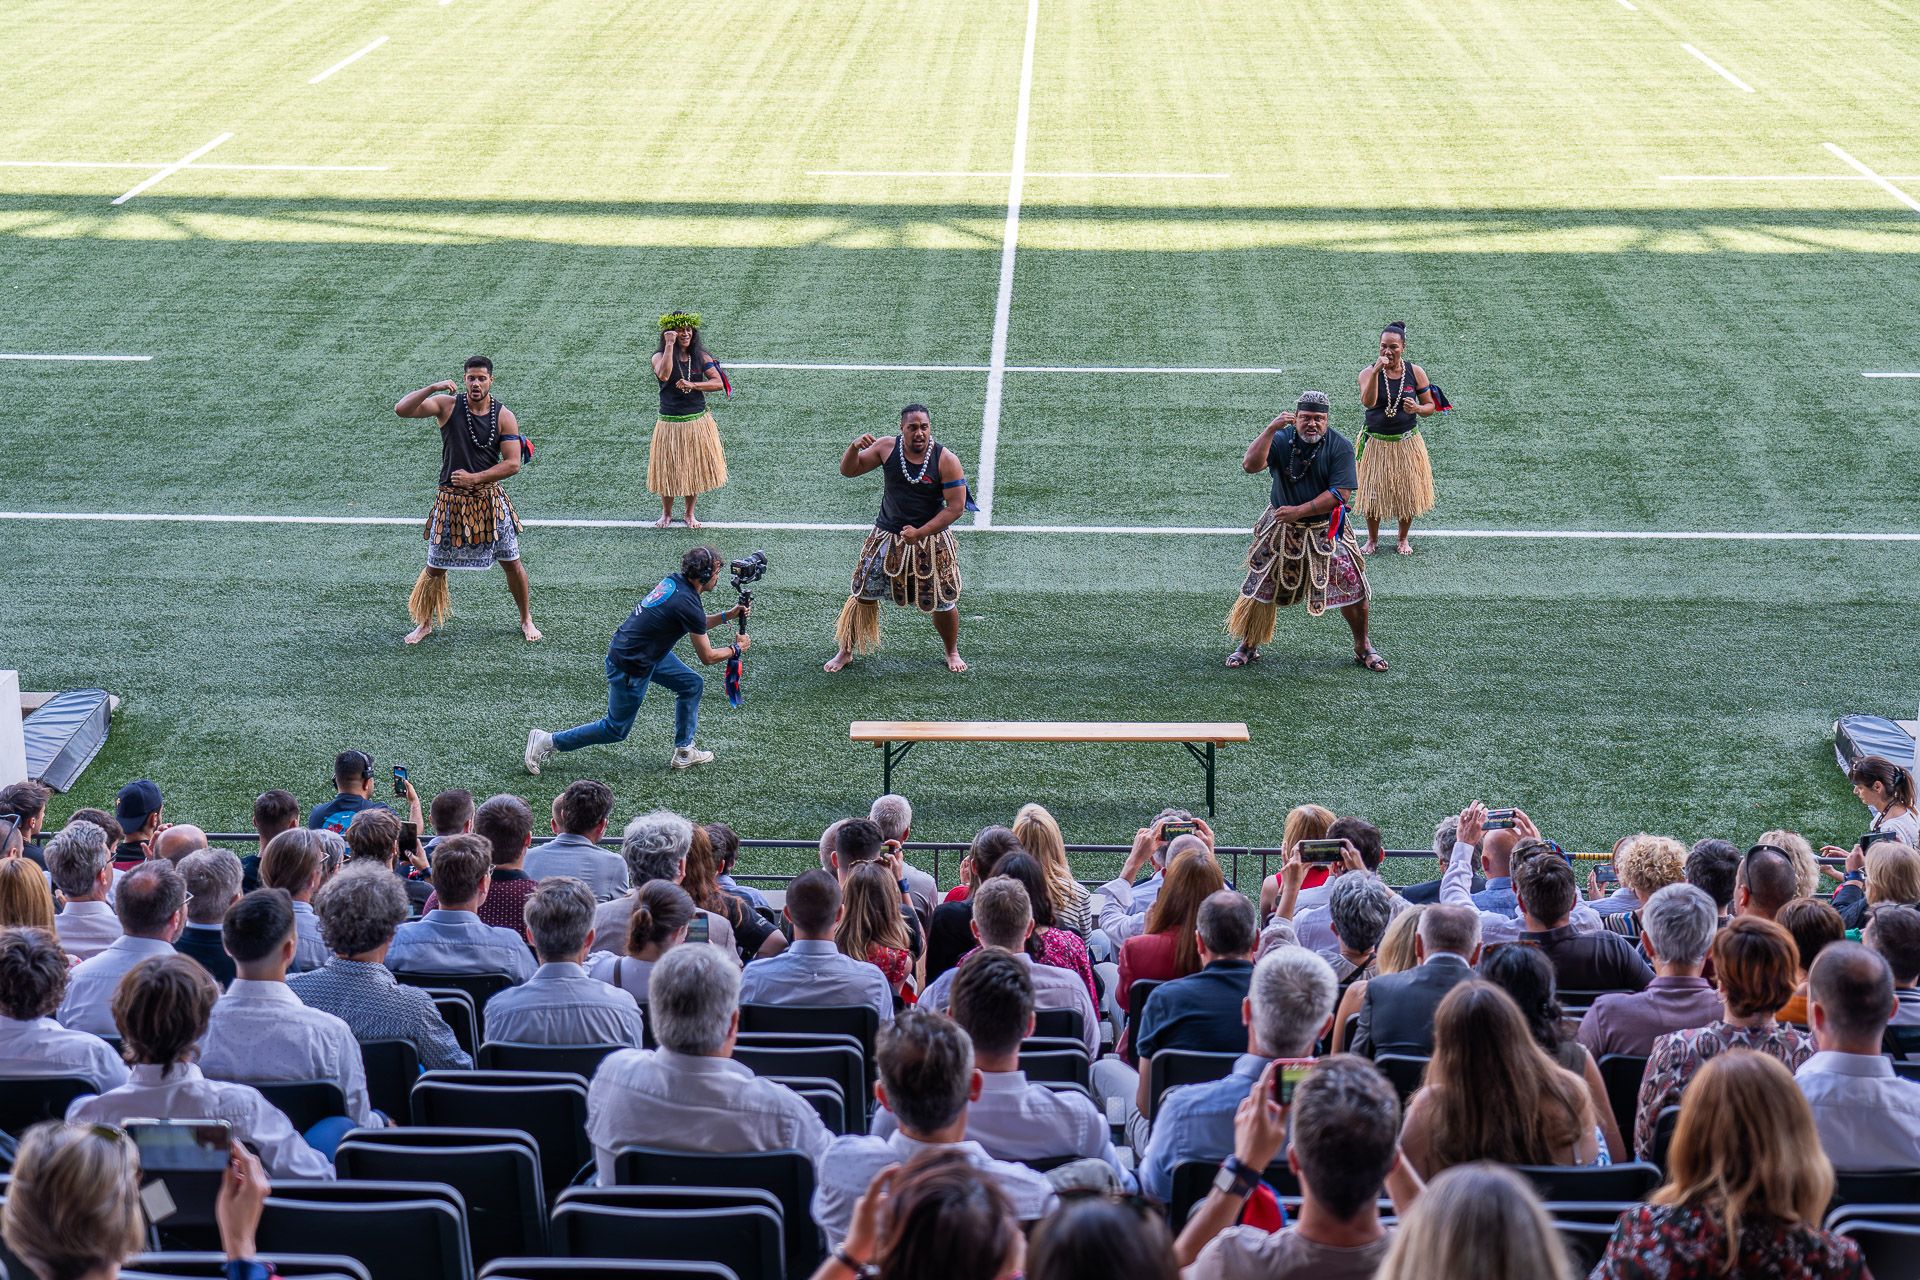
(906, 501)
(1378, 423)
(468, 443)
(675, 403)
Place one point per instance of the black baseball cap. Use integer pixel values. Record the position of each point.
(137, 801)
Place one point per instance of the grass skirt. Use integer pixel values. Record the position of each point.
(924, 575)
(1396, 478)
(685, 458)
(1291, 564)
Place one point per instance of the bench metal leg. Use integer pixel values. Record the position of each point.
(893, 753)
(1206, 759)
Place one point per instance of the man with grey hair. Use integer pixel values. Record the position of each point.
(359, 911)
(927, 1081)
(1289, 1007)
(1427, 892)
(1396, 1014)
(213, 879)
(893, 814)
(689, 1094)
(1003, 918)
(560, 1004)
(152, 905)
(80, 860)
(1360, 908)
(1676, 929)
(655, 847)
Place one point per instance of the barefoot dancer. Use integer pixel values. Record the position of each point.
(685, 458)
(1302, 549)
(1396, 476)
(472, 523)
(910, 555)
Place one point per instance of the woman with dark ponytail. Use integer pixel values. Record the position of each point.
(662, 912)
(1396, 476)
(1887, 790)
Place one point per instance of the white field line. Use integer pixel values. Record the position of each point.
(1778, 177)
(801, 526)
(1884, 184)
(1629, 4)
(348, 61)
(1890, 375)
(1003, 302)
(169, 170)
(1727, 75)
(1008, 173)
(25, 355)
(229, 168)
(1012, 368)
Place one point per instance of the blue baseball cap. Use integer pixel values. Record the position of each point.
(136, 802)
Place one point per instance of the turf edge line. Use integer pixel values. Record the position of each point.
(168, 171)
(348, 61)
(1725, 74)
(1878, 181)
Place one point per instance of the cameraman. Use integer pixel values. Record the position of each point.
(642, 653)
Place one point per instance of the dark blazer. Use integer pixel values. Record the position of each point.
(204, 945)
(1427, 892)
(1396, 1014)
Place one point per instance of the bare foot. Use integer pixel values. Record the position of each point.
(692, 523)
(663, 522)
(528, 630)
(1405, 548)
(1243, 655)
(419, 633)
(1369, 548)
(837, 661)
(955, 663)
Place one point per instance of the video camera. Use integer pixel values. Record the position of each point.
(748, 568)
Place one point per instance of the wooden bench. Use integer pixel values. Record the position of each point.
(897, 737)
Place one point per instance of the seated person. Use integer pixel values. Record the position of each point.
(33, 977)
(161, 1010)
(1676, 928)
(1396, 1013)
(152, 904)
(812, 970)
(1868, 1117)
(80, 860)
(1894, 931)
(560, 1004)
(375, 837)
(1003, 918)
(689, 1094)
(579, 823)
(213, 879)
(506, 824)
(452, 938)
(655, 847)
(661, 917)
(260, 1032)
(359, 910)
(300, 861)
(1602, 961)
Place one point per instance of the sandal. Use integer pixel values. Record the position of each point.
(1242, 657)
(1370, 659)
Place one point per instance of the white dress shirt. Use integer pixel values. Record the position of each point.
(260, 1033)
(445, 941)
(602, 870)
(815, 972)
(87, 928)
(1456, 890)
(612, 920)
(182, 1093)
(852, 1161)
(1053, 988)
(41, 1047)
(88, 1005)
(309, 948)
(686, 1102)
(1015, 1120)
(1868, 1117)
(561, 1005)
(1123, 913)
(1313, 925)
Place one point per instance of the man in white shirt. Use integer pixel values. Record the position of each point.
(1868, 1117)
(927, 1081)
(812, 970)
(1003, 918)
(299, 862)
(452, 938)
(579, 822)
(259, 1032)
(80, 860)
(654, 847)
(152, 905)
(1012, 1119)
(560, 1004)
(689, 1094)
(33, 975)
(1124, 905)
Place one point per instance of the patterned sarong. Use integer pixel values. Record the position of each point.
(472, 528)
(1291, 563)
(924, 574)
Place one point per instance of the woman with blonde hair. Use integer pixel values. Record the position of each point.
(1170, 947)
(1747, 1186)
(1477, 1222)
(1040, 836)
(25, 900)
(1304, 822)
(1492, 1093)
(1888, 872)
(1799, 851)
(1647, 864)
(872, 929)
(1395, 954)
(685, 458)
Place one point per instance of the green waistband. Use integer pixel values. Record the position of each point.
(1391, 435)
(683, 417)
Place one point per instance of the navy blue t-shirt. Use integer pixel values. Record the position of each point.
(671, 610)
(1200, 1012)
(337, 813)
(1330, 466)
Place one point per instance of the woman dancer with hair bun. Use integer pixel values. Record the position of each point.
(685, 458)
(1396, 476)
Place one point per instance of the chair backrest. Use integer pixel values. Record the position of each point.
(1404, 1070)
(1067, 1024)
(392, 1066)
(746, 1239)
(398, 1239)
(1622, 1073)
(827, 1103)
(1891, 1186)
(1901, 1042)
(1574, 1000)
(1137, 992)
(1041, 1044)
(498, 1175)
(26, 1102)
(580, 1059)
(840, 1063)
(1907, 1070)
(1067, 1065)
(1586, 1242)
(1173, 1067)
(860, 1021)
(457, 1010)
(551, 1106)
(289, 1266)
(1347, 1029)
(602, 1269)
(1616, 1182)
(305, 1102)
(788, 1175)
(1891, 1247)
(1663, 1127)
(1192, 1179)
(480, 987)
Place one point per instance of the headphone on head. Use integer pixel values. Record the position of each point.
(700, 564)
(359, 760)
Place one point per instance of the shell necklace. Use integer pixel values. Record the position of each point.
(900, 452)
(493, 423)
(1394, 392)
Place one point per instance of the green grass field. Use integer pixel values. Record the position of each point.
(539, 179)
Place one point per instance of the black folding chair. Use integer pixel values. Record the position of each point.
(840, 1063)
(1576, 1001)
(480, 987)
(1404, 1070)
(745, 1238)
(550, 1106)
(26, 1102)
(1891, 1186)
(305, 1102)
(496, 1172)
(1064, 1024)
(787, 1175)
(1622, 1073)
(289, 1266)
(392, 1066)
(1067, 1066)
(1663, 1127)
(1193, 1179)
(580, 1059)
(1891, 1247)
(457, 1011)
(399, 1230)
(1586, 1242)
(860, 1021)
(1137, 992)
(1173, 1067)
(602, 1269)
(1623, 1183)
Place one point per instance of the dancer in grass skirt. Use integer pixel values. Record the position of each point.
(685, 459)
(1396, 476)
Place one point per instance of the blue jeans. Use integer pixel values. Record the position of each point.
(624, 693)
(325, 1135)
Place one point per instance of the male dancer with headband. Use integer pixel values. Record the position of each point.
(472, 524)
(910, 555)
(1302, 549)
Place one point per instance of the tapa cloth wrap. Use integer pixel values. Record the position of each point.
(1289, 564)
(685, 457)
(472, 528)
(923, 574)
(1396, 477)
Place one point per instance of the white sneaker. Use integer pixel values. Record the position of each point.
(687, 757)
(539, 749)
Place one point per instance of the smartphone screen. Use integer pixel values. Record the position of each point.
(409, 836)
(1318, 850)
(181, 1147)
(697, 929)
(400, 780)
(1174, 830)
(1287, 1079)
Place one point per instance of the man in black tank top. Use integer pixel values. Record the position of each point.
(910, 556)
(472, 525)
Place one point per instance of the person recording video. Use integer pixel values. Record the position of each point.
(641, 653)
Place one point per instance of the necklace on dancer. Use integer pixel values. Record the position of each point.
(493, 425)
(1394, 393)
(900, 451)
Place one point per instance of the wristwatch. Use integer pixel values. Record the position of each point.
(1235, 1178)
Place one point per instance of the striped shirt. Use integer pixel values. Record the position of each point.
(373, 1003)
